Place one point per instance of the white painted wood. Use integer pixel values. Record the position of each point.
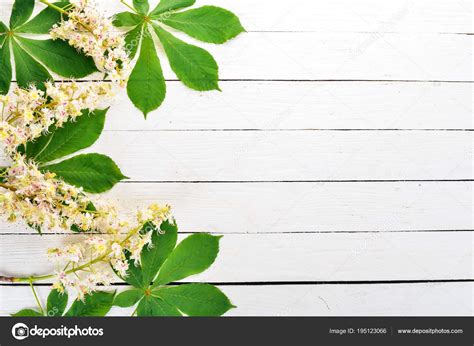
(294, 105)
(293, 257)
(303, 207)
(431, 299)
(297, 42)
(341, 56)
(342, 15)
(293, 155)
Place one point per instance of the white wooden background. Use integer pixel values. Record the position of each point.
(337, 161)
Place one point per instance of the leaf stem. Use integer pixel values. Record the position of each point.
(36, 298)
(130, 7)
(66, 13)
(81, 267)
(53, 6)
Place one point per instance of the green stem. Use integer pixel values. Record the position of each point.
(130, 7)
(53, 6)
(36, 298)
(81, 267)
(61, 10)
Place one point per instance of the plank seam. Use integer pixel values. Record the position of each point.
(293, 181)
(287, 283)
(300, 80)
(262, 233)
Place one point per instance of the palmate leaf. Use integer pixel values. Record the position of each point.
(142, 6)
(128, 298)
(59, 57)
(152, 257)
(27, 69)
(66, 140)
(5, 65)
(125, 19)
(192, 256)
(34, 59)
(95, 173)
(146, 86)
(196, 299)
(170, 5)
(95, 304)
(208, 24)
(3, 28)
(27, 313)
(42, 23)
(21, 12)
(132, 40)
(152, 306)
(194, 66)
(56, 303)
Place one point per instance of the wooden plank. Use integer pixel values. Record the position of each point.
(312, 105)
(303, 207)
(293, 257)
(290, 155)
(341, 56)
(428, 299)
(340, 16)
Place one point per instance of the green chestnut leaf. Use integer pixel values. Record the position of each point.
(208, 24)
(125, 19)
(95, 304)
(59, 57)
(152, 257)
(66, 140)
(146, 86)
(21, 12)
(194, 66)
(142, 6)
(128, 298)
(170, 5)
(43, 22)
(56, 303)
(132, 40)
(196, 299)
(5, 65)
(28, 70)
(27, 313)
(192, 256)
(152, 306)
(94, 172)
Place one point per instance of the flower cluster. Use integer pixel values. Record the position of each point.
(86, 29)
(27, 113)
(44, 201)
(115, 249)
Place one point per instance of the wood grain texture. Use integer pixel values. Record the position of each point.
(340, 56)
(309, 207)
(305, 71)
(302, 207)
(293, 257)
(341, 16)
(307, 105)
(429, 299)
(296, 156)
